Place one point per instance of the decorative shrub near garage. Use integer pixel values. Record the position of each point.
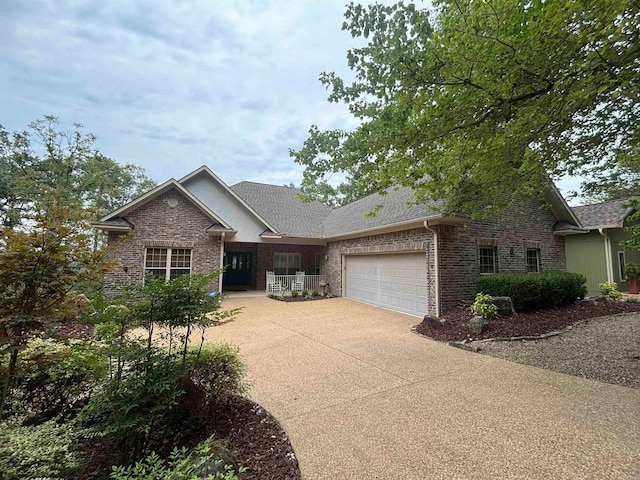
(531, 291)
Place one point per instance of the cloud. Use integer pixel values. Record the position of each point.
(173, 85)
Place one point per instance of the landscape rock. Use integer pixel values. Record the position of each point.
(478, 324)
(433, 322)
(504, 304)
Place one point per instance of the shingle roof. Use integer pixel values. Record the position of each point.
(603, 215)
(352, 218)
(280, 207)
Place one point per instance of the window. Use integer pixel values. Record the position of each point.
(487, 260)
(318, 263)
(533, 260)
(286, 263)
(168, 263)
(621, 263)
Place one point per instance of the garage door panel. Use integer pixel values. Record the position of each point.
(394, 281)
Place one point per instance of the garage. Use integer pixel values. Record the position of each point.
(394, 281)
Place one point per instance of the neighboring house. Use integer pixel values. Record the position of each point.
(408, 258)
(597, 253)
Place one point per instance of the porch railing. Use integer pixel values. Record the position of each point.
(310, 282)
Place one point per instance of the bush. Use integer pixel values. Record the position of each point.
(610, 289)
(53, 377)
(218, 370)
(305, 293)
(315, 293)
(484, 307)
(46, 451)
(294, 293)
(182, 465)
(531, 291)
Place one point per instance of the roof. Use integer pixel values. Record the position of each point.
(610, 214)
(398, 207)
(281, 207)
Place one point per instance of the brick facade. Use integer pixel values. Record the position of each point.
(524, 227)
(156, 224)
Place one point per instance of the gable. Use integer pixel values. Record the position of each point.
(217, 197)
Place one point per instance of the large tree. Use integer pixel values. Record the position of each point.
(481, 102)
(44, 159)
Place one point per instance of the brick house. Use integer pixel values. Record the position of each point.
(408, 258)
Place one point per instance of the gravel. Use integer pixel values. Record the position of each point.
(605, 349)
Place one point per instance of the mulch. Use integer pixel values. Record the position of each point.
(534, 323)
(299, 298)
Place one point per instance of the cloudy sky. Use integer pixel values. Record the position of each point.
(172, 85)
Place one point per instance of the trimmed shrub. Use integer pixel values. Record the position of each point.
(532, 291)
(218, 370)
(610, 289)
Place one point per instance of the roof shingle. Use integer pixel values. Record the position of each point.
(603, 215)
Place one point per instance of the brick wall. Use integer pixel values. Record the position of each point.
(523, 227)
(156, 224)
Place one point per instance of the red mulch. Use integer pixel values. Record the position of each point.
(533, 323)
(255, 437)
(299, 298)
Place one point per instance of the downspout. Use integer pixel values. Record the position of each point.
(607, 253)
(221, 261)
(436, 268)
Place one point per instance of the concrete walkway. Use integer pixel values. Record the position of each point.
(362, 397)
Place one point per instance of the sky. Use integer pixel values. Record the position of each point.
(170, 86)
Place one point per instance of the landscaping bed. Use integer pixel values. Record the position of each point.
(299, 298)
(534, 323)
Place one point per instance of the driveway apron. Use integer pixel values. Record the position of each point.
(362, 397)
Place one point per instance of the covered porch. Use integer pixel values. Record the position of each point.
(247, 265)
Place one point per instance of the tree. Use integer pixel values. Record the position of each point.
(41, 268)
(65, 163)
(481, 102)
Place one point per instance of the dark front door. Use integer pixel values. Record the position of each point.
(238, 272)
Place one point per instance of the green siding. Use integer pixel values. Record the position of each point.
(585, 255)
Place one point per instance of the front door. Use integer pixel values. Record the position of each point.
(238, 272)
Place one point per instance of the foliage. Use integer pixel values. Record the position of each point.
(610, 289)
(632, 271)
(479, 102)
(129, 407)
(46, 451)
(147, 374)
(305, 293)
(484, 306)
(183, 464)
(294, 293)
(54, 378)
(532, 291)
(40, 268)
(315, 293)
(67, 164)
(217, 370)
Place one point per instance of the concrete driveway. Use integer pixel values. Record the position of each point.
(362, 397)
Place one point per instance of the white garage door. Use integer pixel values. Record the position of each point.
(397, 281)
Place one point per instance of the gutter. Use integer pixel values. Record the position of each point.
(607, 253)
(436, 267)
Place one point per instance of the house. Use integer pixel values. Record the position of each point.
(407, 257)
(597, 253)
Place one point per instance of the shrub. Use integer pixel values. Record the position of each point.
(182, 464)
(531, 291)
(129, 407)
(484, 307)
(632, 271)
(305, 293)
(294, 293)
(315, 293)
(53, 377)
(46, 451)
(218, 370)
(610, 289)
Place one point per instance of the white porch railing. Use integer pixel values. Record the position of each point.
(286, 283)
